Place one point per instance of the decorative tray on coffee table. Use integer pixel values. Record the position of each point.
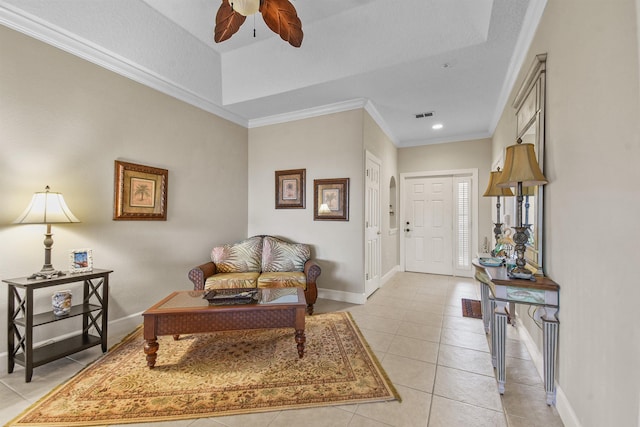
(232, 296)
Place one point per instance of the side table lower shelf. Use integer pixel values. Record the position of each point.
(92, 310)
(50, 352)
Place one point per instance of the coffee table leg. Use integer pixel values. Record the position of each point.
(300, 339)
(150, 349)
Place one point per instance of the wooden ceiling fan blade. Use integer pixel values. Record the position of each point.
(281, 17)
(228, 22)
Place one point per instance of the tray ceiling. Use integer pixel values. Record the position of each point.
(456, 58)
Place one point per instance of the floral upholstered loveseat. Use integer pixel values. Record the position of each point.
(260, 262)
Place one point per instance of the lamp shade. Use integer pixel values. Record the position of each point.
(528, 191)
(46, 208)
(520, 165)
(245, 7)
(493, 190)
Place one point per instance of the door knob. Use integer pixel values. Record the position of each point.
(407, 230)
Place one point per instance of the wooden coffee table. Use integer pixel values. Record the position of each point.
(187, 312)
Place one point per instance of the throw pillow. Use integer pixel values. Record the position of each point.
(278, 255)
(238, 257)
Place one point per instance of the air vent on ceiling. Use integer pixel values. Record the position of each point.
(423, 115)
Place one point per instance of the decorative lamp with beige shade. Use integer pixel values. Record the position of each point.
(494, 191)
(521, 170)
(47, 208)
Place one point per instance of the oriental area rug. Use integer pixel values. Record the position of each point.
(220, 373)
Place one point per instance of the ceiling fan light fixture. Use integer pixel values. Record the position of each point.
(279, 15)
(245, 7)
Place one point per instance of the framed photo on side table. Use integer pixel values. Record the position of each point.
(140, 192)
(290, 189)
(331, 199)
(80, 260)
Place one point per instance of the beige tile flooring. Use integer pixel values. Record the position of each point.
(438, 360)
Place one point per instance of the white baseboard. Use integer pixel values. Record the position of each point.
(350, 297)
(567, 414)
(389, 275)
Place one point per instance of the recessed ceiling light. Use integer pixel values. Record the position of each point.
(437, 126)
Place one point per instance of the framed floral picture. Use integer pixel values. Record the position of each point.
(290, 189)
(331, 199)
(140, 192)
(80, 260)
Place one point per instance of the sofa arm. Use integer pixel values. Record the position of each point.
(311, 271)
(199, 274)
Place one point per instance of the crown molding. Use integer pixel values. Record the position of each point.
(377, 117)
(453, 138)
(41, 30)
(529, 27)
(338, 107)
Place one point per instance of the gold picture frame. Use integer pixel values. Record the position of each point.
(290, 186)
(331, 199)
(140, 192)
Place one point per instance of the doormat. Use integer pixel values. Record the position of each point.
(471, 308)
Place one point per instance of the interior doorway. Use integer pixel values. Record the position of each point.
(373, 254)
(439, 212)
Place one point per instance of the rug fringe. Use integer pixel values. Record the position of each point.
(392, 393)
(379, 367)
(56, 388)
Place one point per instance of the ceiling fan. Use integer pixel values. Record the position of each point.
(279, 15)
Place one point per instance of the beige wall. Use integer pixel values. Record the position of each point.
(63, 123)
(591, 202)
(475, 154)
(329, 146)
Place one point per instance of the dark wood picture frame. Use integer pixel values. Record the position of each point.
(331, 199)
(140, 192)
(290, 185)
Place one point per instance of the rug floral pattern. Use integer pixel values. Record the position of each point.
(223, 373)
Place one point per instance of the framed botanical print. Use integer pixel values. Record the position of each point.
(331, 199)
(140, 192)
(290, 189)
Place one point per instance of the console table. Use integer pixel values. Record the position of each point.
(498, 290)
(22, 319)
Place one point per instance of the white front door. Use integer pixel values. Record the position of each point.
(427, 225)
(372, 225)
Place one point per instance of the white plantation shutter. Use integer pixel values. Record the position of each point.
(462, 222)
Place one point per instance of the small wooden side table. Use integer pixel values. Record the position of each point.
(498, 290)
(22, 319)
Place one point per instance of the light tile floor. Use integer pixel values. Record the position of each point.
(438, 360)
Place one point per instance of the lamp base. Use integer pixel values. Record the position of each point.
(520, 238)
(46, 273)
